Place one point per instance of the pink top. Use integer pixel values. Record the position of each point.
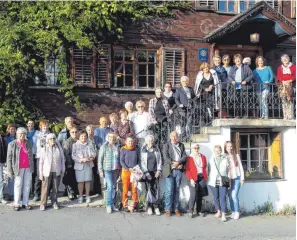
(24, 155)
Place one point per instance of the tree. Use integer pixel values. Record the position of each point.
(31, 32)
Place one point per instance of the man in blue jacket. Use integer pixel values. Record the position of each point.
(184, 100)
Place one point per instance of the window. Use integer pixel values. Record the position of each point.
(173, 66)
(135, 68)
(260, 154)
(51, 71)
(274, 4)
(226, 6)
(205, 4)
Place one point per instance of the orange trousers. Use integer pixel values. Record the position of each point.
(126, 184)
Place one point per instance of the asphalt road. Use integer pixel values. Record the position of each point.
(95, 223)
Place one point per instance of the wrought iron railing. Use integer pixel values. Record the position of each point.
(228, 101)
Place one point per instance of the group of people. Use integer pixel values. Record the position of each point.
(78, 157)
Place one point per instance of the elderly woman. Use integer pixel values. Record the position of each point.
(129, 158)
(129, 108)
(206, 86)
(219, 177)
(109, 165)
(151, 165)
(51, 170)
(196, 172)
(169, 95)
(226, 63)
(286, 75)
(20, 165)
(83, 154)
(158, 107)
(263, 76)
(141, 121)
(40, 143)
(10, 136)
(124, 128)
(114, 118)
(96, 180)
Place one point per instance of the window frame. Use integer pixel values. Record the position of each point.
(274, 154)
(293, 12)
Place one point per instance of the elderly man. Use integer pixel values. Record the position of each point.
(174, 160)
(159, 113)
(241, 76)
(221, 71)
(184, 101)
(101, 132)
(65, 132)
(69, 179)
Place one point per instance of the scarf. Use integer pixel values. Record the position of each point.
(30, 136)
(168, 95)
(128, 148)
(286, 69)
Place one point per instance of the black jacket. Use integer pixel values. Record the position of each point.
(181, 97)
(246, 75)
(168, 155)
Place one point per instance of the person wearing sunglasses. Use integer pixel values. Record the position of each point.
(69, 179)
(141, 121)
(51, 170)
(196, 172)
(226, 63)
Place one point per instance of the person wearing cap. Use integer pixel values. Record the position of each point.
(20, 165)
(51, 170)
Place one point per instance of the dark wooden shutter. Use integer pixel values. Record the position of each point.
(103, 66)
(173, 65)
(82, 66)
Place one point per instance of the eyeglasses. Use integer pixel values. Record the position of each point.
(226, 59)
(74, 132)
(52, 138)
(140, 106)
(196, 148)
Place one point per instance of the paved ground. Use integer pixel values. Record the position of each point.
(94, 223)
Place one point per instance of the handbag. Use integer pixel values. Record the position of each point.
(225, 180)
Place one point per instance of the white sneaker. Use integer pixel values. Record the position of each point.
(3, 201)
(88, 200)
(236, 215)
(232, 215)
(80, 200)
(108, 209)
(217, 215)
(224, 218)
(150, 211)
(157, 211)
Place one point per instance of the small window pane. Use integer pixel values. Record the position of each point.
(142, 69)
(254, 141)
(254, 166)
(142, 57)
(263, 140)
(264, 154)
(151, 57)
(254, 155)
(230, 6)
(251, 3)
(129, 81)
(129, 56)
(244, 165)
(142, 81)
(128, 69)
(222, 6)
(243, 154)
(118, 55)
(151, 81)
(264, 167)
(242, 6)
(243, 141)
(151, 69)
(119, 80)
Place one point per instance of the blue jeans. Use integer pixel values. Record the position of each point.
(233, 194)
(172, 190)
(111, 182)
(219, 197)
(11, 186)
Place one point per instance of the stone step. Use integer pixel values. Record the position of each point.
(198, 138)
(210, 130)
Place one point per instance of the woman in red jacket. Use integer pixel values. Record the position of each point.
(196, 173)
(286, 74)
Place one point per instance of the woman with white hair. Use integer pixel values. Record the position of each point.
(51, 170)
(20, 165)
(197, 175)
(286, 75)
(151, 165)
(129, 108)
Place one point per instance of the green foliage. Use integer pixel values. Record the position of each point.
(31, 32)
(288, 210)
